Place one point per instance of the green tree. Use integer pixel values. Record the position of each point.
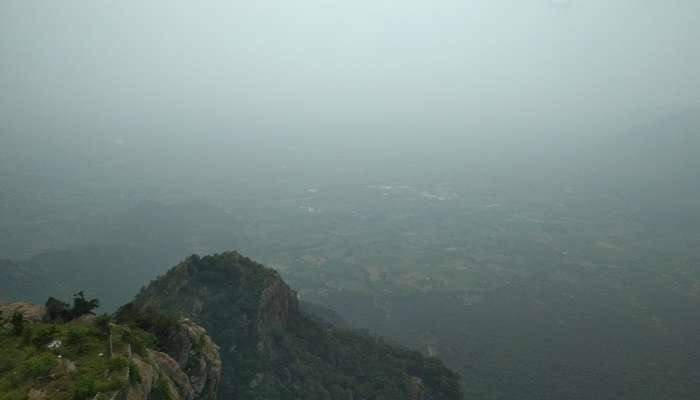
(56, 309)
(82, 306)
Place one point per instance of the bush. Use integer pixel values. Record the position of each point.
(57, 310)
(82, 306)
(163, 391)
(138, 339)
(105, 385)
(78, 339)
(17, 323)
(42, 335)
(6, 363)
(117, 363)
(84, 389)
(158, 324)
(38, 365)
(87, 388)
(102, 322)
(134, 375)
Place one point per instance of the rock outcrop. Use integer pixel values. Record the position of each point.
(198, 356)
(30, 312)
(190, 370)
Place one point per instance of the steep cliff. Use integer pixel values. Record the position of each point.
(271, 349)
(95, 358)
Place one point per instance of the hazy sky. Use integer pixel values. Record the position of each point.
(359, 73)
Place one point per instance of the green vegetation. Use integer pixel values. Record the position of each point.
(70, 360)
(280, 352)
(149, 327)
(163, 391)
(38, 366)
(17, 323)
(26, 361)
(330, 363)
(58, 310)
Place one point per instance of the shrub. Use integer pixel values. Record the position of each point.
(38, 365)
(6, 362)
(42, 335)
(156, 323)
(78, 339)
(84, 389)
(87, 388)
(102, 322)
(117, 363)
(134, 375)
(109, 385)
(17, 323)
(163, 391)
(82, 306)
(57, 310)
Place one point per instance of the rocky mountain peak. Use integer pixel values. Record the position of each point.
(270, 348)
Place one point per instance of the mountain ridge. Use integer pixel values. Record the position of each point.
(270, 348)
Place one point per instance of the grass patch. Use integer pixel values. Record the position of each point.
(26, 362)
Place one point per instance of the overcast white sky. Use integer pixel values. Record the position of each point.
(407, 72)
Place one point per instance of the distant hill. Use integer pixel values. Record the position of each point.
(114, 272)
(19, 281)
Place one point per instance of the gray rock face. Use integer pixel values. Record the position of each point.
(191, 370)
(198, 356)
(30, 312)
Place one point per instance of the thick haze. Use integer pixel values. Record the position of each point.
(246, 87)
(511, 186)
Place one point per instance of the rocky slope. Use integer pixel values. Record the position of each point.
(271, 349)
(94, 358)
